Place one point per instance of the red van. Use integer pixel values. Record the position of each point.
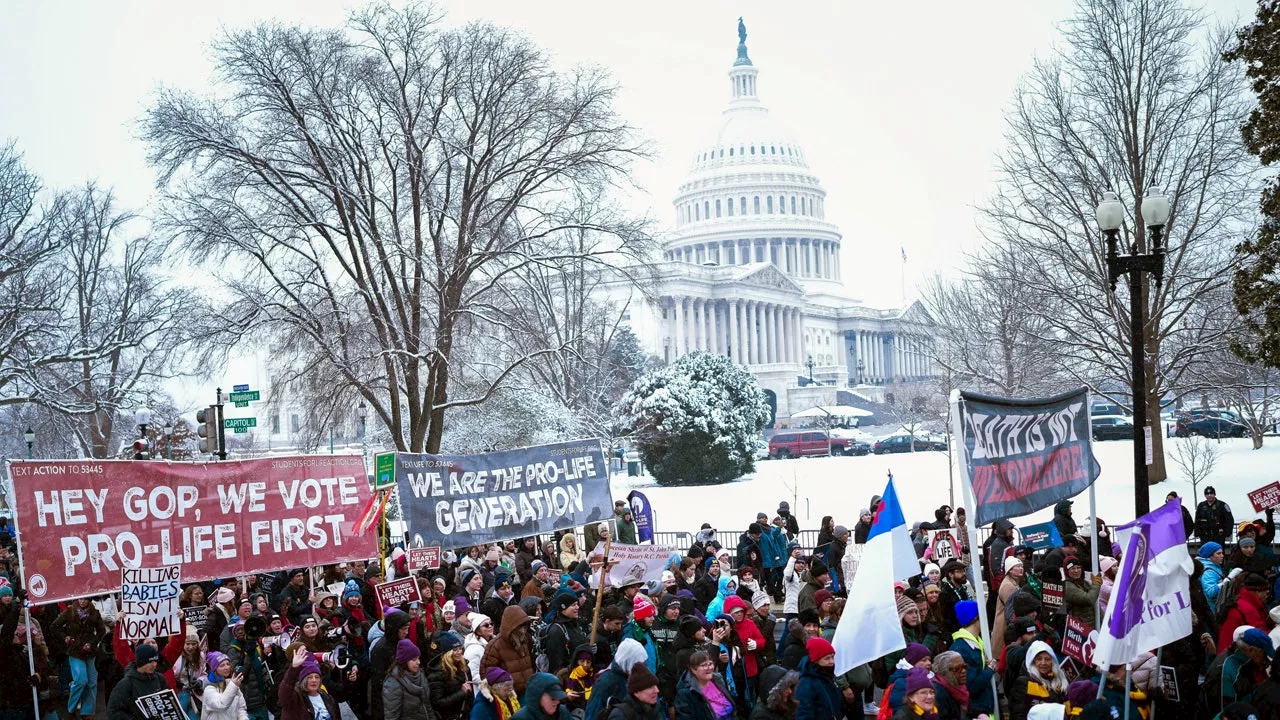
(808, 442)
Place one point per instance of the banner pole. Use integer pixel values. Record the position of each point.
(1093, 518)
(1159, 664)
(981, 598)
(604, 574)
(22, 568)
(1128, 680)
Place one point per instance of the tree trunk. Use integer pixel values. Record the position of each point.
(1255, 433)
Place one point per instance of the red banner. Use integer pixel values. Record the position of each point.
(1265, 498)
(1078, 641)
(82, 521)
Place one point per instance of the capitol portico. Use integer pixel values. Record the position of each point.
(751, 269)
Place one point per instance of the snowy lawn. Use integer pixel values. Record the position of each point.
(840, 486)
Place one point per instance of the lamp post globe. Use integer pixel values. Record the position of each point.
(30, 437)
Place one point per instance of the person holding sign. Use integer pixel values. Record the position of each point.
(222, 699)
(140, 679)
(1080, 596)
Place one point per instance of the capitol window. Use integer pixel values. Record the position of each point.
(782, 204)
(721, 152)
(730, 152)
(773, 150)
(757, 204)
(706, 209)
(753, 149)
(717, 208)
(793, 204)
(768, 202)
(742, 208)
(696, 215)
(730, 204)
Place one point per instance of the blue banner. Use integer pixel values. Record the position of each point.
(1041, 537)
(1021, 456)
(455, 501)
(642, 513)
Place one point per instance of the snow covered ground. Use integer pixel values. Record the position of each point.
(840, 486)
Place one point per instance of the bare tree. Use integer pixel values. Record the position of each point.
(1196, 458)
(985, 330)
(367, 190)
(1139, 99)
(917, 408)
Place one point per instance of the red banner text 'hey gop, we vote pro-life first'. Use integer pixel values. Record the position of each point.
(82, 521)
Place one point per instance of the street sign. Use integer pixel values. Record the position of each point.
(384, 475)
(240, 388)
(240, 425)
(243, 398)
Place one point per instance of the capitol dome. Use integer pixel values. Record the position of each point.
(750, 197)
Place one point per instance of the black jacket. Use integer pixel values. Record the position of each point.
(132, 686)
(1214, 522)
(563, 636)
(448, 698)
(1062, 519)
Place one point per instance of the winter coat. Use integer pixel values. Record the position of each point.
(691, 703)
(749, 553)
(792, 525)
(381, 657)
(705, 589)
(1188, 523)
(501, 653)
(746, 630)
(1248, 610)
(1214, 523)
(816, 696)
(805, 599)
(133, 685)
(633, 709)
(257, 677)
(485, 707)
(835, 564)
(524, 563)
(226, 703)
(570, 556)
(1030, 689)
(948, 597)
(1063, 521)
(612, 683)
(793, 646)
(791, 584)
(72, 632)
(294, 703)
(449, 698)
(530, 702)
(860, 532)
(591, 536)
(1211, 582)
(978, 679)
(562, 636)
(716, 608)
(773, 545)
(406, 696)
(1079, 598)
(1258, 563)
(626, 528)
(1007, 588)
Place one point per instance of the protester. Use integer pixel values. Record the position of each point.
(543, 699)
(1041, 681)
(641, 702)
(920, 697)
(1080, 595)
(405, 693)
(80, 628)
(450, 680)
(967, 642)
(140, 679)
(302, 694)
(1210, 558)
(777, 699)
(511, 650)
(816, 694)
(702, 693)
(496, 698)
(222, 699)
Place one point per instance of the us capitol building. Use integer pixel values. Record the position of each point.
(752, 270)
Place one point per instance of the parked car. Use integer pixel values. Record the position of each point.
(1210, 423)
(812, 442)
(1112, 427)
(902, 443)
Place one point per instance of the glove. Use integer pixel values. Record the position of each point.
(69, 641)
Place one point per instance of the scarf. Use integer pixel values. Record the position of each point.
(959, 694)
(505, 711)
(963, 634)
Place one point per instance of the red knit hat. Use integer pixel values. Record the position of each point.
(642, 607)
(818, 649)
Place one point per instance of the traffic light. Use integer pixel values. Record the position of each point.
(140, 450)
(207, 419)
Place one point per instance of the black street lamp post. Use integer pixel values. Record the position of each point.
(30, 437)
(168, 441)
(1110, 216)
(809, 364)
(861, 367)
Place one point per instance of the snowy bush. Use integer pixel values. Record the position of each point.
(697, 420)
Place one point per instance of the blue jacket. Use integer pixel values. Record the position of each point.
(1210, 581)
(816, 696)
(981, 697)
(716, 608)
(897, 687)
(773, 545)
(530, 706)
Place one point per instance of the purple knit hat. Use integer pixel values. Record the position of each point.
(309, 666)
(496, 675)
(407, 650)
(918, 679)
(461, 606)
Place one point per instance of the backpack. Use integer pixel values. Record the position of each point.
(539, 649)
(628, 712)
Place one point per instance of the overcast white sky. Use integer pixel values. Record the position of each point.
(899, 105)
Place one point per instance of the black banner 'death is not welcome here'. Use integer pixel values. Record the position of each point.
(460, 500)
(1025, 455)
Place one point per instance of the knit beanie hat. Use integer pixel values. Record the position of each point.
(309, 667)
(761, 599)
(1208, 549)
(822, 596)
(918, 679)
(917, 652)
(6, 591)
(689, 626)
(215, 659)
(640, 679)
(224, 595)
(461, 606)
(930, 568)
(1248, 542)
(1010, 562)
(496, 676)
(406, 650)
(642, 607)
(905, 605)
(448, 607)
(818, 649)
(563, 600)
(447, 641)
(1081, 693)
(144, 654)
(817, 568)
(966, 612)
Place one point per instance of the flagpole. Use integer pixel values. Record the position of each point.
(1093, 517)
(967, 489)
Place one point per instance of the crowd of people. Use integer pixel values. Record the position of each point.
(733, 630)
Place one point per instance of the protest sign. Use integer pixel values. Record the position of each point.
(1042, 536)
(336, 588)
(945, 546)
(163, 705)
(459, 500)
(1078, 641)
(1051, 596)
(1266, 497)
(1169, 682)
(642, 513)
(397, 592)
(1020, 456)
(424, 557)
(196, 617)
(222, 519)
(149, 602)
(1069, 670)
(629, 564)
